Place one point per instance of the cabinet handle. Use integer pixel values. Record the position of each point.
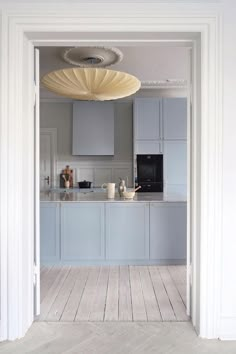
(47, 179)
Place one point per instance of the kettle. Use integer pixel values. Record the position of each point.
(121, 187)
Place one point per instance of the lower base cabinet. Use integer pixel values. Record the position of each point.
(127, 231)
(168, 231)
(49, 232)
(82, 231)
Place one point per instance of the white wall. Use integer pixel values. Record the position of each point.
(98, 169)
(59, 115)
(228, 305)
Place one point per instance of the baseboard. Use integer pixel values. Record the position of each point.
(166, 262)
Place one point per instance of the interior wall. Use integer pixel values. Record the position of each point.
(232, 144)
(60, 115)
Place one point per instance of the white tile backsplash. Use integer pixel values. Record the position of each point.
(98, 172)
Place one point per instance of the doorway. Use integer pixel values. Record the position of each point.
(208, 263)
(120, 292)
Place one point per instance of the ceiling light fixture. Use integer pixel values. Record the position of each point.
(86, 57)
(92, 84)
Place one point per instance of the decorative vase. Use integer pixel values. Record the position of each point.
(67, 184)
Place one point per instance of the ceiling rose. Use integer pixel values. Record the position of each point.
(93, 84)
(85, 57)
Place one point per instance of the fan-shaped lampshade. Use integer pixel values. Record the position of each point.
(95, 84)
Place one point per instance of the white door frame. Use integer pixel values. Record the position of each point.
(52, 132)
(22, 28)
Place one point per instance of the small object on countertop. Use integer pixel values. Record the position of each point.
(121, 187)
(66, 175)
(84, 184)
(67, 184)
(136, 189)
(110, 187)
(129, 195)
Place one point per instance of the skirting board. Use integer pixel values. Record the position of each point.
(116, 262)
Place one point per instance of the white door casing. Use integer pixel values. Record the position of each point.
(36, 186)
(48, 151)
(20, 30)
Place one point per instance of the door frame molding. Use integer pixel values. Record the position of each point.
(53, 135)
(26, 26)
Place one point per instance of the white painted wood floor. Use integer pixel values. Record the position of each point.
(116, 293)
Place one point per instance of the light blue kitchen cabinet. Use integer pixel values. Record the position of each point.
(127, 231)
(49, 232)
(144, 147)
(174, 115)
(168, 232)
(175, 162)
(147, 118)
(82, 231)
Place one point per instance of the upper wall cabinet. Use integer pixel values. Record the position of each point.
(93, 128)
(147, 119)
(174, 111)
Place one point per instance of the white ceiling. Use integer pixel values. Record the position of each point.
(148, 62)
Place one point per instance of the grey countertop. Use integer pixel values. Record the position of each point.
(75, 195)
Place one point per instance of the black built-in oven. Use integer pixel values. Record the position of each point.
(150, 173)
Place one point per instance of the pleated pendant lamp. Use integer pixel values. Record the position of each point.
(92, 84)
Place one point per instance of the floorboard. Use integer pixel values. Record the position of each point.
(173, 294)
(125, 303)
(88, 296)
(178, 275)
(112, 301)
(152, 308)
(51, 295)
(138, 305)
(99, 304)
(113, 294)
(166, 310)
(73, 302)
(60, 302)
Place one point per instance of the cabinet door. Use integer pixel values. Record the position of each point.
(49, 232)
(127, 231)
(82, 231)
(93, 128)
(147, 118)
(175, 162)
(174, 111)
(168, 231)
(148, 147)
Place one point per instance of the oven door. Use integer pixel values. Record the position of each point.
(151, 187)
(150, 168)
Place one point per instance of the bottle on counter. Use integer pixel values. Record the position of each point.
(121, 187)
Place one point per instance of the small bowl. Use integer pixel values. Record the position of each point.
(128, 195)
